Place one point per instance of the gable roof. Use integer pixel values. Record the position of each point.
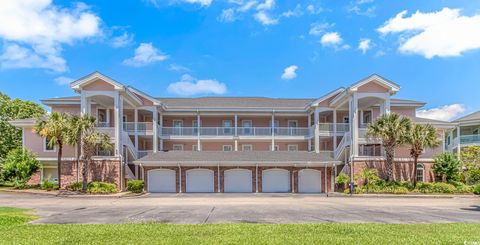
(470, 117)
(393, 87)
(93, 77)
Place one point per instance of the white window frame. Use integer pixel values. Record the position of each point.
(423, 172)
(177, 120)
(45, 146)
(195, 147)
(371, 115)
(227, 130)
(247, 130)
(473, 131)
(347, 119)
(289, 121)
(276, 148)
(223, 148)
(291, 145)
(177, 145)
(250, 145)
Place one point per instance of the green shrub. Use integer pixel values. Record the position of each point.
(472, 176)
(75, 186)
(18, 167)
(476, 189)
(461, 187)
(135, 186)
(342, 181)
(19, 184)
(443, 188)
(424, 187)
(48, 185)
(101, 188)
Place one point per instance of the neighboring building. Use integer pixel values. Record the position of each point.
(233, 144)
(466, 133)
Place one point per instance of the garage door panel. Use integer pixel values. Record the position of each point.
(163, 180)
(309, 181)
(237, 180)
(200, 180)
(276, 180)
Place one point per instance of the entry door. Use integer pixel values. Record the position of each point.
(292, 127)
(200, 180)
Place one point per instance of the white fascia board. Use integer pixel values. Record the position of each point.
(76, 85)
(316, 102)
(155, 101)
(393, 87)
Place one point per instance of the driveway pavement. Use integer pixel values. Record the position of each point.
(245, 208)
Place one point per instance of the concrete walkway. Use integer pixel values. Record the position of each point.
(245, 208)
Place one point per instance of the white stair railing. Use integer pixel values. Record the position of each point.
(343, 143)
(128, 173)
(128, 142)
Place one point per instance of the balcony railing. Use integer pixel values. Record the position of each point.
(328, 127)
(230, 131)
(142, 127)
(179, 131)
(143, 153)
(255, 131)
(470, 139)
(216, 131)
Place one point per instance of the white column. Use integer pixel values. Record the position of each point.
(118, 109)
(443, 140)
(135, 119)
(309, 123)
(334, 129)
(317, 131)
(387, 105)
(353, 111)
(154, 128)
(199, 147)
(272, 125)
(83, 103)
(108, 116)
(161, 130)
(459, 143)
(236, 132)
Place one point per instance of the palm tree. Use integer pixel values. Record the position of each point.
(54, 129)
(391, 128)
(419, 137)
(91, 141)
(77, 125)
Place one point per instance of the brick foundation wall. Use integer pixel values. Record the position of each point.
(403, 171)
(100, 170)
(36, 178)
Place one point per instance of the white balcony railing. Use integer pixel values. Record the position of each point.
(216, 131)
(230, 131)
(469, 139)
(110, 131)
(142, 127)
(328, 127)
(144, 153)
(254, 131)
(291, 131)
(179, 131)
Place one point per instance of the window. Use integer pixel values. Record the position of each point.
(227, 127)
(177, 147)
(292, 147)
(247, 147)
(195, 126)
(420, 173)
(46, 146)
(475, 131)
(346, 120)
(276, 125)
(367, 117)
(292, 127)
(247, 127)
(194, 147)
(448, 140)
(227, 148)
(276, 148)
(177, 127)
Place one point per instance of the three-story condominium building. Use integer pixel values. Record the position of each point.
(232, 144)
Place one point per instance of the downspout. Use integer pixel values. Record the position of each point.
(122, 173)
(180, 178)
(218, 177)
(326, 182)
(256, 178)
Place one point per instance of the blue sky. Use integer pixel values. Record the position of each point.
(245, 48)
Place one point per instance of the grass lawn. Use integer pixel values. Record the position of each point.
(15, 230)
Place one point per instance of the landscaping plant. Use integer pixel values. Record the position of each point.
(96, 187)
(18, 167)
(135, 186)
(447, 165)
(392, 129)
(75, 186)
(342, 181)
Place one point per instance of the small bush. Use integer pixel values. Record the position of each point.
(75, 186)
(48, 185)
(443, 188)
(476, 189)
(20, 184)
(18, 167)
(135, 186)
(461, 187)
(472, 176)
(342, 181)
(101, 188)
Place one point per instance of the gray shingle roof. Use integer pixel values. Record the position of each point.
(214, 157)
(235, 102)
(469, 117)
(427, 120)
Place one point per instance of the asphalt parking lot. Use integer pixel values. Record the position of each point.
(244, 208)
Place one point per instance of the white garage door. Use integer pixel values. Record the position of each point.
(309, 181)
(275, 180)
(238, 180)
(200, 180)
(162, 180)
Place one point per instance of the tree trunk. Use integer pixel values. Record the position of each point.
(415, 160)
(59, 163)
(389, 152)
(86, 162)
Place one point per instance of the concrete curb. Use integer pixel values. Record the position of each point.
(404, 195)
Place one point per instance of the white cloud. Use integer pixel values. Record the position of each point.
(246, 6)
(63, 80)
(267, 5)
(265, 19)
(331, 39)
(364, 45)
(296, 12)
(178, 68)
(290, 72)
(40, 29)
(205, 3)
(444, 33)
(145, 54)
(443, 113)
(316, 29)
(311, 9)
(227, 15)
(122, 41)
(188, 86)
